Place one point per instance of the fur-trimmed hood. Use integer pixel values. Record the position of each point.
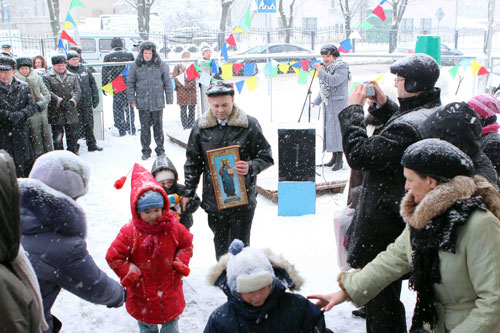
(441, 198)
(283, 270)
(237, 118)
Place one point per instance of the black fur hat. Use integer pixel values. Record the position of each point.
(58, 59)
(116, 42)
(24, 61)
(438, 159)
(219, 88)
(7, 63)
(72, 54)
(148, 45)
(330, 49)
(420, 71)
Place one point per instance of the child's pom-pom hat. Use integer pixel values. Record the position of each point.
(248, 269)
(120, 182)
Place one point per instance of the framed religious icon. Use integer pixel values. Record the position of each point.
(229, 187)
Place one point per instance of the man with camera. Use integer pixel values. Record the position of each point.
(65, 93)
(377, 222)
(333, 75)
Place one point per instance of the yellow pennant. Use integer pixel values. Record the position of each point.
(251, 83)
(378, 78)
(475, 67)
(296, 70)
(238, 29)
(67, 25)
(227, 71)
(108, 88)
(283, 67)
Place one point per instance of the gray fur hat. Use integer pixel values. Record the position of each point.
(7, 63)
(220, 88)
(58, 59)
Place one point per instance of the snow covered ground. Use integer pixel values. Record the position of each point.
(307, 241)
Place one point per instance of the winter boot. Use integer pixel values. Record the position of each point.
(329, 163)
(361, 312)
(338, 161)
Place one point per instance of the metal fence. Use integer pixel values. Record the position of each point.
(374, 38)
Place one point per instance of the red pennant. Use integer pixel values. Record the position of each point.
(230, 40)
(482, 71)
(237, 68)
(118, 84)
(305, 64)
(64, 35)
(379, 12)
(342, 50)
(191, 73)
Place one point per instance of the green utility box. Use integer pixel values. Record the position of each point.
(430, 45)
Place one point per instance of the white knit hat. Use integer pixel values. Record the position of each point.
(248, 269)
(164, 175)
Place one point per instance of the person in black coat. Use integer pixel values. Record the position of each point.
(121, 109)
(88, 101)
(255, 283)
(165, 173)
(16, 106)
(54, 230)
(377, 222)
(458, 124)
(226, 125)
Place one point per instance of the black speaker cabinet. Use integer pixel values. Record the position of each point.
(296, 148)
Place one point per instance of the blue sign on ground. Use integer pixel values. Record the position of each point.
(266, 6)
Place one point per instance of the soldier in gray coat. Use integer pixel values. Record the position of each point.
(148, 85)
(333, 75)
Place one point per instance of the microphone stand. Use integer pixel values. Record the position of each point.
(308, 97)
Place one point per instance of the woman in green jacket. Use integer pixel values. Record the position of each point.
(450, 246)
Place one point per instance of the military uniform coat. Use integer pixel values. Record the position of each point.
(63, 88)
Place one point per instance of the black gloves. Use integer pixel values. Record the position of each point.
(122, 300)
(67, 106)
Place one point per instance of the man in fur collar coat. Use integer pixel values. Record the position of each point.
(226, 125)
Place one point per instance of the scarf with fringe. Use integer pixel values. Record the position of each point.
(324, 88)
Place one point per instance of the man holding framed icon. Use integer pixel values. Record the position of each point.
(226, 132)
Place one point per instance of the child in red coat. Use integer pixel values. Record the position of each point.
(150, 255)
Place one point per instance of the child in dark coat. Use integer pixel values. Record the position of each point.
(165, 173)
(150, 255)
(255, 283)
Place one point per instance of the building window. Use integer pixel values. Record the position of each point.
(425, 25)
(407, 24)
(88, 45)
(309, 23)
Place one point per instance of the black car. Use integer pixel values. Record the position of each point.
(280, 52)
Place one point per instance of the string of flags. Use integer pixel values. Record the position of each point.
(118, 84)
(68, 23)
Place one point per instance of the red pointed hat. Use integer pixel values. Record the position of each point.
(142, 180)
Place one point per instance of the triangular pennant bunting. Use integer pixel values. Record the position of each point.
(379, 12)
(65, 36)
(108, 88)
(223, 51)
(249, 69)
(118, 84)
(305, 64)
(76, 3)
(230, 40)
(251, 83)
(474, 67)
(482, 71)
(237, 68)
(69, 22)
(227, 71)
(303, 76)
(239, 86)
(191, 72)
(453, 71)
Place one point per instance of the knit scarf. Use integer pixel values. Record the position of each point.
(152, 231)
(490, 125)
(324, 88)
(440, 234)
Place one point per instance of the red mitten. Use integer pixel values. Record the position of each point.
(181, 268)
(133, 275)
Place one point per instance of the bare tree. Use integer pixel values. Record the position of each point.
(226, 4)
(143, 8)
(348, 9)
(398, 10)
(287, 24)
(53, 6)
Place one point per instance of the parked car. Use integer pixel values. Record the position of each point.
(285, 52)
(448, 55)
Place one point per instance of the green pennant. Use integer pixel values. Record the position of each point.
(303, 76)
(454, 70)
(197, 67)
(76, 3)
(247, 18)
(365, 25)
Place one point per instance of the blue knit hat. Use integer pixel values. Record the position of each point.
(148, 200)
